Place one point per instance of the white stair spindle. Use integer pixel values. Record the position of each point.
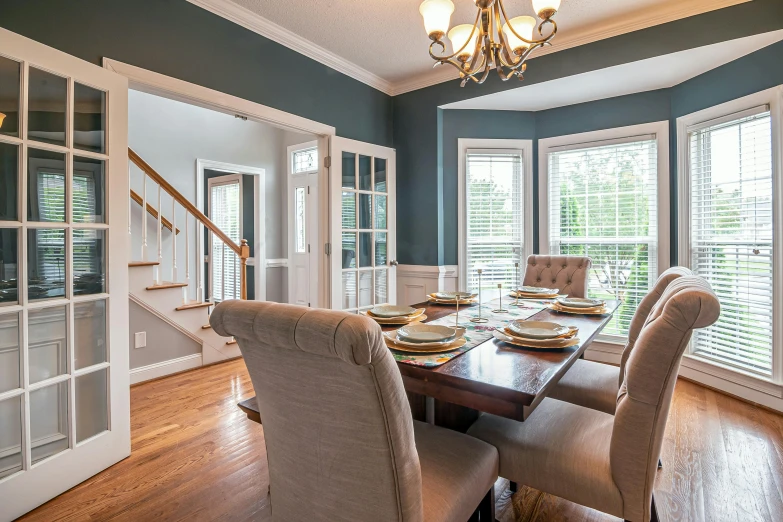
(186, 289)
(144, 217)
(173, 240)
(160, 237)
(199, 261)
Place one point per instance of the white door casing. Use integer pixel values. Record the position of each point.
(362, 220)
(108, 426)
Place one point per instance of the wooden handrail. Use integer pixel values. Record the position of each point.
(152, 210)
(190, 207)
(242, 250)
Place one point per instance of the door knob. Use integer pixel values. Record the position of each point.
(393, 262)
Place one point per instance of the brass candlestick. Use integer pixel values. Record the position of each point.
(500, 309)
(479, 319)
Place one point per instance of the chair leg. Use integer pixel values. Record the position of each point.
(486, 508)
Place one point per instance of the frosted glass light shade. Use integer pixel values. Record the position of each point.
(2, 117)
(545, 5)
(523, 25)
(459, 35)
(436, 15)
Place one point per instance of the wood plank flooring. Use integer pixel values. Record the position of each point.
(196, 456)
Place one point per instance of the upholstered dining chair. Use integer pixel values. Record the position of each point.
(569, 274)
(595, 459)
(340, 440)
(594, 385)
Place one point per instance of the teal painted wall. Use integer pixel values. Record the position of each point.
(417, 136)
(179, 39)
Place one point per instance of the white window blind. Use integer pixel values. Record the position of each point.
(494, 192)
(51, 242)
(224, 208)
(305, 160)
(731, 238)
(603, 204)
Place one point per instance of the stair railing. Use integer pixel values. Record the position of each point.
(241, 250)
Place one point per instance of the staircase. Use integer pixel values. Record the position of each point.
(178, 299)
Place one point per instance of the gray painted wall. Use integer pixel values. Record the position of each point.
(164, 342)
(179, 39)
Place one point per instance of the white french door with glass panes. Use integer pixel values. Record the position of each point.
(495, 212)
(64, 386)
(225, 210)
(730, 209)
(606, 197)
(363, 225)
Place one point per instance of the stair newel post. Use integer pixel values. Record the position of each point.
(144, 213)
(173, 239)
(160, 237)
(244, 253)
(187, 260)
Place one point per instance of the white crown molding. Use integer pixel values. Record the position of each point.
(644, 20)
(260, 25)
(268, 29)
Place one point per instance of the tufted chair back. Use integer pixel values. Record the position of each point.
(337, 424)
(643, 310)
(645, 396)
(569, 274)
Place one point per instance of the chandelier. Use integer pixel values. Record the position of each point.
(486, 44)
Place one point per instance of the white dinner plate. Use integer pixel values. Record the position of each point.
(451, 296)
(537, 290)
(579, 302)
(537, 329)
(393, 337)
(392, 311)
(426, 333)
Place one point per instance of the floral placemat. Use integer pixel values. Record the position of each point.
(475, 333)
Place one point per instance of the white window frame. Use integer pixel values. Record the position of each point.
(501, 146)
(227, 179)
(609, 137)
(723, 377)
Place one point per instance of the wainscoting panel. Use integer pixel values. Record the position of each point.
(414, 282)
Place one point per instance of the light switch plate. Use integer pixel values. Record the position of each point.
(140, 340)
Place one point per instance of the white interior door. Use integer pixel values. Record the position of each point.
(64, 381)
(363, 225)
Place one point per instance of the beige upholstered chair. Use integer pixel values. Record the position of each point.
(594, 385)
(341, 443)
(592, 458)
(569, 274)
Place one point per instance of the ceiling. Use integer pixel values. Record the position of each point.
(383, 42)
(645, 75)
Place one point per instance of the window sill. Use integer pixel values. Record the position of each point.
(729, 380)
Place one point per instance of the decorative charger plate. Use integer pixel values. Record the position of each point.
(537, 290)
(453, 296)
(388, 311)
(405, 319)
(581, 311)
(428, 333)
(580, 302)
(394, 338)
(523, 295)
(538, 329)
(417, 348)
(531, 343)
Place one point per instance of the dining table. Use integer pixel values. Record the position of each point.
(493, 377)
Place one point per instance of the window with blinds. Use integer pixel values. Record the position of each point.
(494, 192)
(603, 204)
(224, 209)
(730, 178)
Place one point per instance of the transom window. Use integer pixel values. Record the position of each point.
(305, 160)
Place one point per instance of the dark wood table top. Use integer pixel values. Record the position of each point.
(494, 377)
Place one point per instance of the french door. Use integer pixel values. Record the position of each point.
(363, 225)
(64, 389)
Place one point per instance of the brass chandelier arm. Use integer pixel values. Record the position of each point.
(533, 43)
(443, 46)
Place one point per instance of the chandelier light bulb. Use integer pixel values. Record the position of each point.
(437, 16)
(523, 25)
(460, 34)
(546, 8)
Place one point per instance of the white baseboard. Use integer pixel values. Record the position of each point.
(161, 369)
(414, 282)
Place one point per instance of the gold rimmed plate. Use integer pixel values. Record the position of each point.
(579, 311)
(406, 319)
(454, 345)
(533, 343)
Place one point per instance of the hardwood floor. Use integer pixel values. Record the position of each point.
(196, 456)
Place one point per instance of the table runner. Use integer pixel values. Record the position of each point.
(475, 333)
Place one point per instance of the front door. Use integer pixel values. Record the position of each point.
(64, 381)
(363, 225)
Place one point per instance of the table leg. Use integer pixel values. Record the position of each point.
(430, 410)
